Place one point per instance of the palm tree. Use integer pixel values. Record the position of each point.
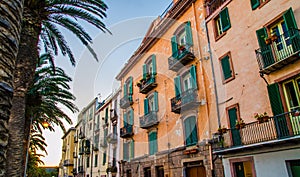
(41, 21)
(10, 27)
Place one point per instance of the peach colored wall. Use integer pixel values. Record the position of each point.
(248, 88)
(170, 125)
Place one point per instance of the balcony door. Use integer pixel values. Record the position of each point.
(282, 45)
(292, 96)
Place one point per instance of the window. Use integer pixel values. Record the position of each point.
(96, 160)
(149, 68)
(258, 3)
(147, 172)
(182, 40)
(291, 90)
(222, 22)
(188, 81)
(151, 103)
(104, 158)
(128, 117)
(106, 115)
(128, 90)
(152, 138)
(159, 171)
(242, 167)
(293, 167)
(128, 173)
(88, 162)
(114, 162)
(190, 130)
(128, 150)
(227, 68)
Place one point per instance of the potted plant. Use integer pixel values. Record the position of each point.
(268, 41)
(222, 130)
(261, 117)
(274, 37)
(139, 84)
(239, 124)
(296, 113)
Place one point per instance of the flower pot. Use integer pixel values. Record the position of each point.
(265, 118)
(237, 126)
(274, 38)
(242, 125)
(268, 41)
(260, 120)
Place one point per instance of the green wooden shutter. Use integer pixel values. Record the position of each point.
(131, 117)
(153, 64)
(125, 151)
(289, 19)
(236, 137)
(174, 47)
(144, 71)
(225, 21)
(131, 149)
(150, 143)
(266, 50)
(187, 129)
(275, 100)
(154, 140)
(125, 119)
(146, 106)
(193, 129)
(255, 4)
(177, 84)
(225, 63)
(106, 115)
(193, 76)
(189, 36)
(130, 86)
(125, 89)
(155, 101)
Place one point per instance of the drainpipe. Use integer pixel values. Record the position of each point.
(213, 75)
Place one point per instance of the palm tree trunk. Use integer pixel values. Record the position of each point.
(23, 77)
(10, 27)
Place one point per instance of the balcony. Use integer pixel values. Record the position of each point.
(95, 146)
(113, 116)
(81, 151)
(186, 101)
(103, 143)
(126, 101)
(149, 120)
(126, 131)
(75, 155)
(68, 162)
(183, 58)
(112, 138)
(280, 129)
(279, 51)
(80, 169)
(147, 84)
(212, 5)
(81, 135)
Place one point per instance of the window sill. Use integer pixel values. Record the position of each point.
(217, 37)
(228, 80)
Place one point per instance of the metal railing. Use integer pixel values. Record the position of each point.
(183, 57)
(147, 84)
(126, 131)
(126, 101)
(213, 5)
(149, 119)
(278, 49)
(189, 96)
(281, 126)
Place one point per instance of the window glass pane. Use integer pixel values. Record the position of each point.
(182, 38)
(218, 26)
(291, 95)
(187, 80)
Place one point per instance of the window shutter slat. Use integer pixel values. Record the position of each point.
(153, 64)
(255, 4)
(174, 47)
(227, 73)
(189, 36)
(131, 117)
(177, 86)
(275, 100)
(125, 119)
(144, 71)
(193, 76)
(289, 19)
(187, 132)
(130, 86)
(225, 21)
(266, 51)
(154, 142)
(131, 149)
(125, 89)
(146, 106)
(155, 101)
(193, 135)
(125, 151)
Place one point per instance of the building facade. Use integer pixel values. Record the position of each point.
(255, 53)
(67, 159)
(166, 101)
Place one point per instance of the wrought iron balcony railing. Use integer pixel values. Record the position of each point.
(183, 58)
(126, 131)
(126, 101)
(280, 128)
(212, 5)
(68, 162)
(187, 100)
(147, 84)
(279, 51)
(149, 120)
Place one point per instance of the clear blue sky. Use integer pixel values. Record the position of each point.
(128, 20)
